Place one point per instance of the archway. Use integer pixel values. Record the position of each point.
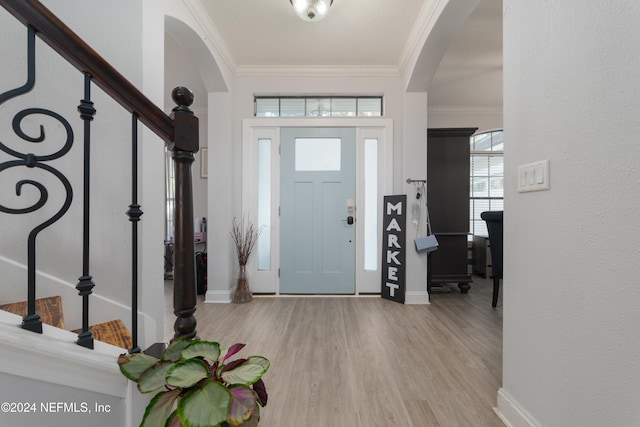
(439, 31)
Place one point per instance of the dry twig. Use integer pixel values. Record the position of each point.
(244, 235)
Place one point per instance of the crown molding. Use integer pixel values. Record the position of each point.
(425, 21)
(426, 18)
(316, 71)
(419, 33)
(213, 36)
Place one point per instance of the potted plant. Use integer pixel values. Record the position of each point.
(197, 385)
(244, 235)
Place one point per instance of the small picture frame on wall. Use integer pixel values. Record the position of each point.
(204, 162)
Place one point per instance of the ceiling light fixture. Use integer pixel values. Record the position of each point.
(311, 10)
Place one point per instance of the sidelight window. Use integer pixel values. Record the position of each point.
(264, 204)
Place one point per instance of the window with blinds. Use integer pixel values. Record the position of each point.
(486, 178)
(306, 106)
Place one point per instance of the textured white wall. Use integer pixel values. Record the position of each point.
(224, 195)
(66, 405)
(151, 295)
(182, 70)
(114, 31)
(455, 117)
(69, 376)
(223, 191)
(571, 316)
(414, 159)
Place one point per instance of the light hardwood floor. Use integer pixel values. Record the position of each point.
(367, 362)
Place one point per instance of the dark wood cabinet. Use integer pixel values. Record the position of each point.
(448, 200)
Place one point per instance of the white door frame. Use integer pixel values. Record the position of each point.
(367, 281)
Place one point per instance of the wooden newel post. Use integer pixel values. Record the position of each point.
(184, 145)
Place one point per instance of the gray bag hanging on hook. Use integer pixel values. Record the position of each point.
(427, 243)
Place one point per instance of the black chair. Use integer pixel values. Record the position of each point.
(494, 227)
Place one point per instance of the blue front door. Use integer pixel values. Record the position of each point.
(317, 211)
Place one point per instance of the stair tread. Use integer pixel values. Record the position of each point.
(112, 332)
(49, 309)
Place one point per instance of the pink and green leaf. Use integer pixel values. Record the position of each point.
(154, 377)
(133, 366)
(187, 373)
(243, 404)
(206, 406)
(261, 390)
(232, 365)
(206, 349)
(159, 408)
(247, 373)
(174, 420)
(231, 351)
(172, 352)
(259, 360)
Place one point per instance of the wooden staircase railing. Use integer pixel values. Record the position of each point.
(179, 131)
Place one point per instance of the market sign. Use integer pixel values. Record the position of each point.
(393, 247)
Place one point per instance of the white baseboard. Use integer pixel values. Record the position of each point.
(512, 413)
(224, 296)
(416, 297)
(218, 296)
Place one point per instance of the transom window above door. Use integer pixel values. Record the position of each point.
(305, 106)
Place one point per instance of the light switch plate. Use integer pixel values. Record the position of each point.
(533, 176)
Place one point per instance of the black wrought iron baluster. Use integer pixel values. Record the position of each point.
(85, 284)
(31, 69)
(134, 214)
(32, 321)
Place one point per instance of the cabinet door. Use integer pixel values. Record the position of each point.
(448, 179)
(448, 200)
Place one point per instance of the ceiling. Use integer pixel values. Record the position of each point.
(266, 37)
(354, 32)
(470, 72)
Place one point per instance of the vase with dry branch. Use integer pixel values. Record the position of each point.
(244, 235)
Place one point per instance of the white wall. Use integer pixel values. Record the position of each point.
(225, 141)
(151, 294)
(59, 87)
(83, 407)
(223, 189)
(414, 157)
(572, 95)
(71, 386)
(182, 70)
(246, 88)
(200, 183)
(483, 118)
